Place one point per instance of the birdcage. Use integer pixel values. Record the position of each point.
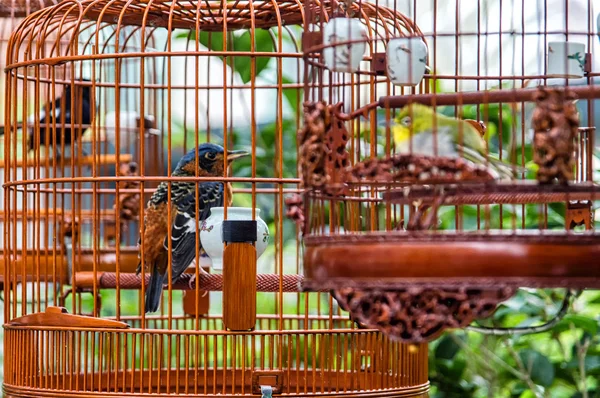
(445, 170)
(136, 91)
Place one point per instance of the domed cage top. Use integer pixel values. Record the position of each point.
(444, 168)
(108, 106)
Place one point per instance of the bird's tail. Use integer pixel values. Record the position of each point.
(155, 287)
(503, 170)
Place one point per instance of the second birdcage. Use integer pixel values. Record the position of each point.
(444, 170)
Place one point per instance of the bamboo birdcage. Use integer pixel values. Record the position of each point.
(74, 306)
(415, 271)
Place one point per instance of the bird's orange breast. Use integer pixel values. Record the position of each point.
(156, 228)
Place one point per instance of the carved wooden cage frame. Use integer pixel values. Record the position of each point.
(74, 322)
(370, 216)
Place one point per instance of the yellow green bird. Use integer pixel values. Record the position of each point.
(413, 133)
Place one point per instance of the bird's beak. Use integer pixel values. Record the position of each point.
(232, 155)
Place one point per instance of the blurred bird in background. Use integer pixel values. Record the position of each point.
(412, 132)
(59, 112)
(182, 231)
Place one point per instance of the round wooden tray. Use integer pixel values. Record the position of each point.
(479, 259)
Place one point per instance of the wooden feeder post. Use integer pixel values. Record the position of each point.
(239, 275)
(196, 303)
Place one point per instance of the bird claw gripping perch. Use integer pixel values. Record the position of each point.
(192, 281)
(555, 123)
(423, 220)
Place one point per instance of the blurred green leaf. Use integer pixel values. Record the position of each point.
(578, 321)
(565, 373)
(242, 42)
(538, 366)
(518, 389)
(452, 369)
(596, 300)
(447, 348)
(590, 394)
(528, 394)
(591, 363)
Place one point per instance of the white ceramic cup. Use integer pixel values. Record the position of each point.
(566, 59)
(211, 232)
(344, 57)
(406, 60)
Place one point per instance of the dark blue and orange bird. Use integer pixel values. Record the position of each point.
(182, 230)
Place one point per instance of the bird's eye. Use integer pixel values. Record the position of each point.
(210, 155)
(405, 121)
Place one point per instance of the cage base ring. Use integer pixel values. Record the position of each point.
(88, 362)
(10, 391)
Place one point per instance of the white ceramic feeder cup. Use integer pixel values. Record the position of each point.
(211, 232)
(406, 60)
(344, 57)
(566, 59)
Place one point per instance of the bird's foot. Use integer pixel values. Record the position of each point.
(424, 219)
(192, 282)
